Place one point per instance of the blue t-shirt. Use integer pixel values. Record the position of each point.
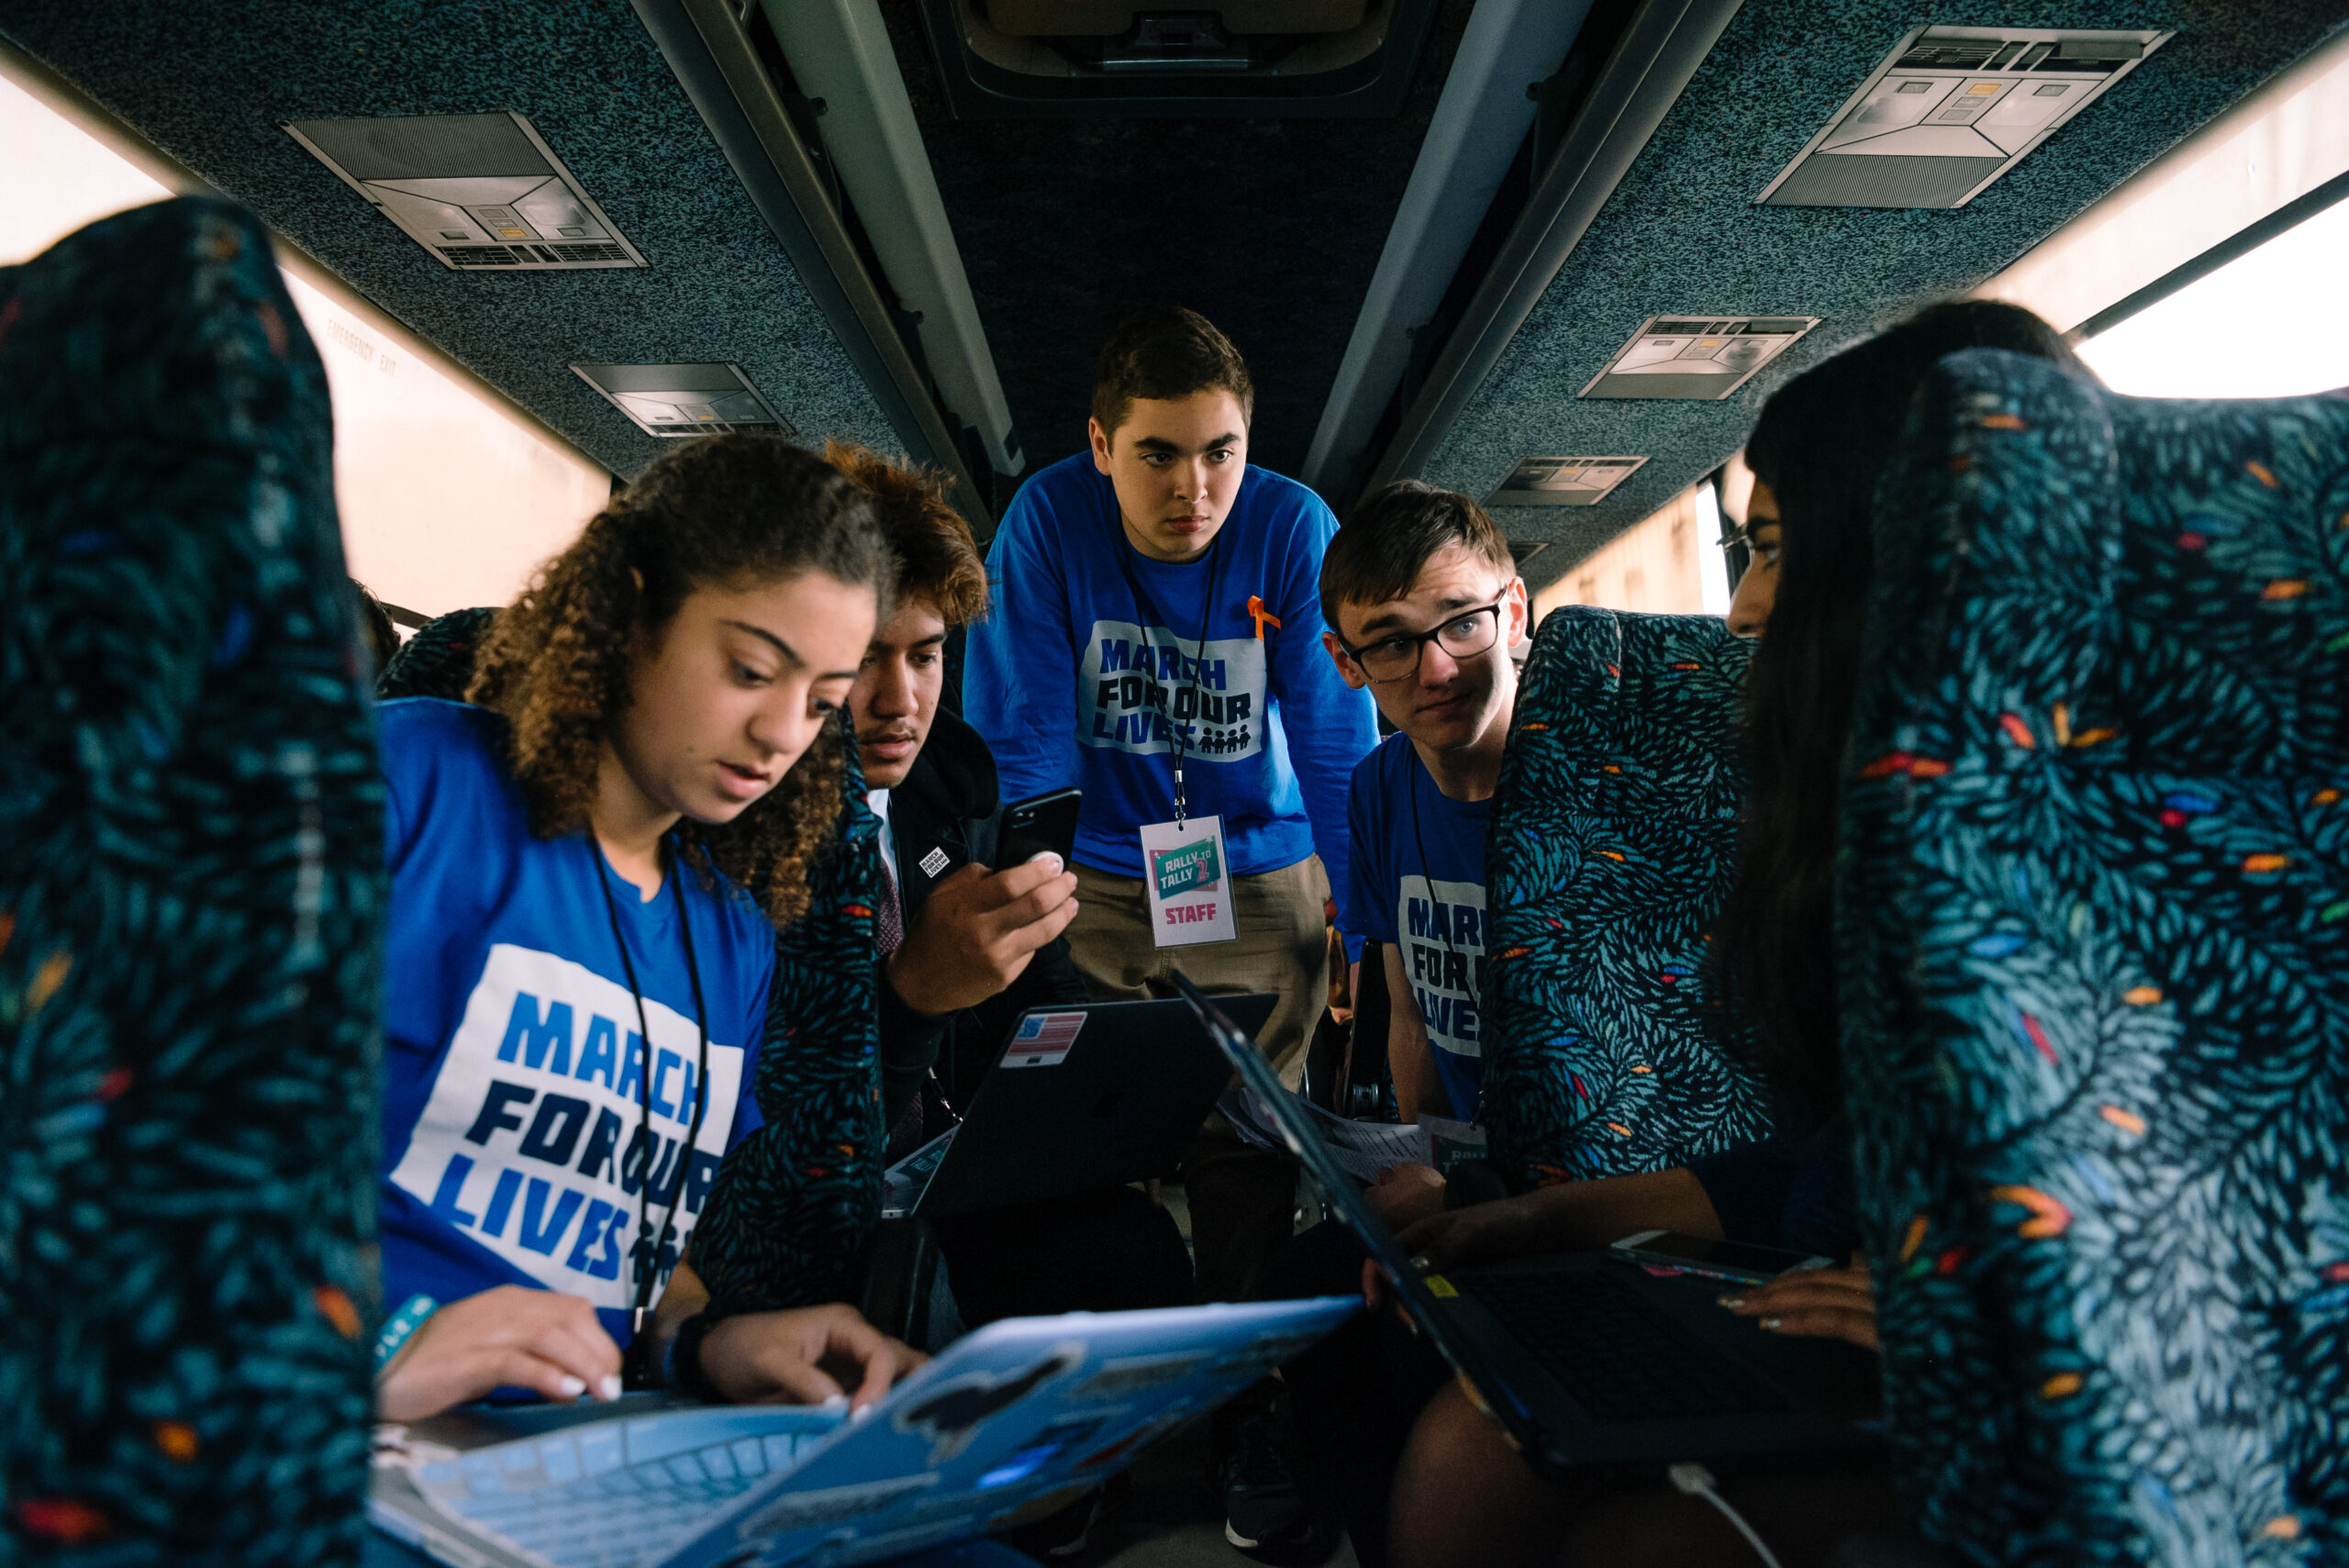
(1419, 884)
(515, 1149)
(1058, 679)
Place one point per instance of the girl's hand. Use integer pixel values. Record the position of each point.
(511, 1337)
(1822, 1304)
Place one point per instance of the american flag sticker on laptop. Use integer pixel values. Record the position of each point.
(1042, 1039)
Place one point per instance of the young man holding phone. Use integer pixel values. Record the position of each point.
(977, 935)
(1155, 641)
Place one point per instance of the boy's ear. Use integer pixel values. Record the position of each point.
(1100, 439)
(1348, 671)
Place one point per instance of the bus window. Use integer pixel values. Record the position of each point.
(448, 495)
(1668, 563)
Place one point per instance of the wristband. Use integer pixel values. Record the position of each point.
(400, 1327)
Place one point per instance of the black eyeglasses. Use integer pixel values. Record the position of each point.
(1469, 633)
(1766, 555)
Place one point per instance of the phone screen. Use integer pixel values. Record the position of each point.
(1744, 1257)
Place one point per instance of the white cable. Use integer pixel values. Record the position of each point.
(1697, 1482)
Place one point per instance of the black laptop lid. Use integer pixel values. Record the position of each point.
(1087, 1096)
(1418, 1292)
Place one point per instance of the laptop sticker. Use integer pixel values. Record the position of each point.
(832, 1504)
(1134, 1442)
(953, 1415)
(1042, 1039)
(1133, 1374)
(1039, 1450)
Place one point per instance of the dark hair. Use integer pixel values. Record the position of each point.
(1392, 533)
(936, 557)
(735, 510)
(376, 625)
(1821, 445)
(1163, 353)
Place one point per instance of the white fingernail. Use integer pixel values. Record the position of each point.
(608, 1390)
(860, 1412)
(1058, 865)
(571, 1387)
(835, 1402)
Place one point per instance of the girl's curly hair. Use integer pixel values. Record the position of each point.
(727, 511)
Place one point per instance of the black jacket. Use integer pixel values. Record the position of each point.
(947, 813)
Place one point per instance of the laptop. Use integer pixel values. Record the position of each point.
(1084, 1096)
(1592, 1363)
(1008, 1424)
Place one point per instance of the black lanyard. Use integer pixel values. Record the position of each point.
(1147, 609)
(647, 1245)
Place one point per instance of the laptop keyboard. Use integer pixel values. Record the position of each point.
(1621, 1360)
(573, 1501)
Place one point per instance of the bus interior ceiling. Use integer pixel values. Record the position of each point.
(1271, 222)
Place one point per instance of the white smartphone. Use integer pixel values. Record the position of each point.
(1739, 1260)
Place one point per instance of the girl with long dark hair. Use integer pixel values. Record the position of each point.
(1461, 1495)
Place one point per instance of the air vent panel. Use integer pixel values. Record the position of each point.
(685, 400)
(1949, 110)
(481, 192)
(1703, 357)
(1562, 480)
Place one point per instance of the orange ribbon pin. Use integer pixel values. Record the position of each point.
(1256, 608)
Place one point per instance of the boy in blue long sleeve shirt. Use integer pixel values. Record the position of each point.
(1156, 603)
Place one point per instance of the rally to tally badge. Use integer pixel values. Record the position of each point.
(1188, 883)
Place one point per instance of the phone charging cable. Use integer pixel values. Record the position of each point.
(1697, 1482)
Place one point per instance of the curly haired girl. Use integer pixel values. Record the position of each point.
(572, 1025)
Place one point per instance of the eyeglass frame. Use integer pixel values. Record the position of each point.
(1419, 640)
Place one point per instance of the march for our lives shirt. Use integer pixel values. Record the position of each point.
(1058, 679)
(514, 1145)
(1429, 908)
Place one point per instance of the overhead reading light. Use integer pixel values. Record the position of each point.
(1562, 480)
(1950, 110)
(685, 400)
(1702, 357)
(482, 193)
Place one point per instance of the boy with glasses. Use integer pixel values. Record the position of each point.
(1425, 602)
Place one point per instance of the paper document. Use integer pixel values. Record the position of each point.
(1360, 1148)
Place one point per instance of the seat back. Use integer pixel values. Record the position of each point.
(1612, 844)
(191, 890)
(794, 1207)
(2094, 933)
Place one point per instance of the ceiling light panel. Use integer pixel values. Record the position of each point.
(1704, 358)
(482, 193)
(1562, 480)
(685, 400)
(1951, 109)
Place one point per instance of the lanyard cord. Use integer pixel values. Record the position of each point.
(1147, 609)
(644, 1079)
(1419, 841)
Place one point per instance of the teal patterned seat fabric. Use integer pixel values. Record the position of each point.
(191, 890)
(1613, 844)
(795, 1202)
(2094, 914)
(437, 661)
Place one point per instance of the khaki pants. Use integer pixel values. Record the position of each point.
(1243, 1199)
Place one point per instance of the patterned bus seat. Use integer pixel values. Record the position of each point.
(2094, 916)
(1613, 843)
(190, 892)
